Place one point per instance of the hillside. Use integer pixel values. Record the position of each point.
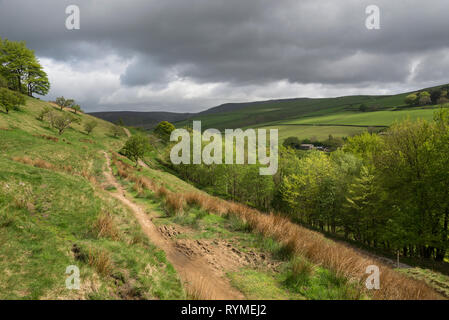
(304, 118)
(142, 233)
(146, 120)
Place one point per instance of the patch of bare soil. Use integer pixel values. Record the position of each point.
(221, 255)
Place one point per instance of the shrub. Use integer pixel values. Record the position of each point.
(164, 130)
(135, 148)
(90, 126)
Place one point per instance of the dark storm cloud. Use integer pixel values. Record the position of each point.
(242, 42)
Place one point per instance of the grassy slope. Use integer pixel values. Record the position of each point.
(44, 212)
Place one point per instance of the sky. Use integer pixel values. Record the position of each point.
(190, 55)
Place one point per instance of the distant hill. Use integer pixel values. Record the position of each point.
(146, 120)
(269, 113)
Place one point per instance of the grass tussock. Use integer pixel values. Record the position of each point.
(38, 163)
(174, 204)
(43, 136)
(300, 273)
(199, 288)
(101, 261)
(105, 227)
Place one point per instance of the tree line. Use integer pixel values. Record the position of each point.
(387, 191)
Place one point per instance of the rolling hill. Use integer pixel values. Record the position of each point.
(300, 117)
(146, 120)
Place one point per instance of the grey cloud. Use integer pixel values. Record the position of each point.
(242, 43)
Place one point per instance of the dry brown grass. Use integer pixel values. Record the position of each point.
(43, 164)
(105, 226)
(43, 136)
(174, 203)
(39, 163)
(101, 261)
(199, 288)
(161, 192)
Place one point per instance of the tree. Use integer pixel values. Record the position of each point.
(116, 131)
(3, 82)
(63, 121)
(435, 95)
(292, 142)
(90, 126)
(37, 80)
(412, 167)
(164, 130)
(424, 98)
(76, 108)
(412, 99)
(442, 100)
(64, 103)
(17, 100)
(135, 148)
(10, 99)
(15, 59)
(363, 107)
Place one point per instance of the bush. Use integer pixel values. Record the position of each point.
(292, 142)
(135, 148)
(90, 126)
(11, 99)
(164, 130)
(43, 113)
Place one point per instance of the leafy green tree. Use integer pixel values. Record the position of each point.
(64, 103)
(292, 142)
(63, 121)
(76, 108)
(10, 99)
(15, 59)
(89, 126)
(412, 99)
(435, 95)
(363, 107)
(116, 131)
(3, 82)
(37, 80)
(21, 69)
(424, 98)
(135, 148)
(411, 169)
(363, 216)
(164, 130)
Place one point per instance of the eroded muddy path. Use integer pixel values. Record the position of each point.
(202, 279)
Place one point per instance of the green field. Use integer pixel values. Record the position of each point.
(378, 118)
(344, 123)
(319, 133)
